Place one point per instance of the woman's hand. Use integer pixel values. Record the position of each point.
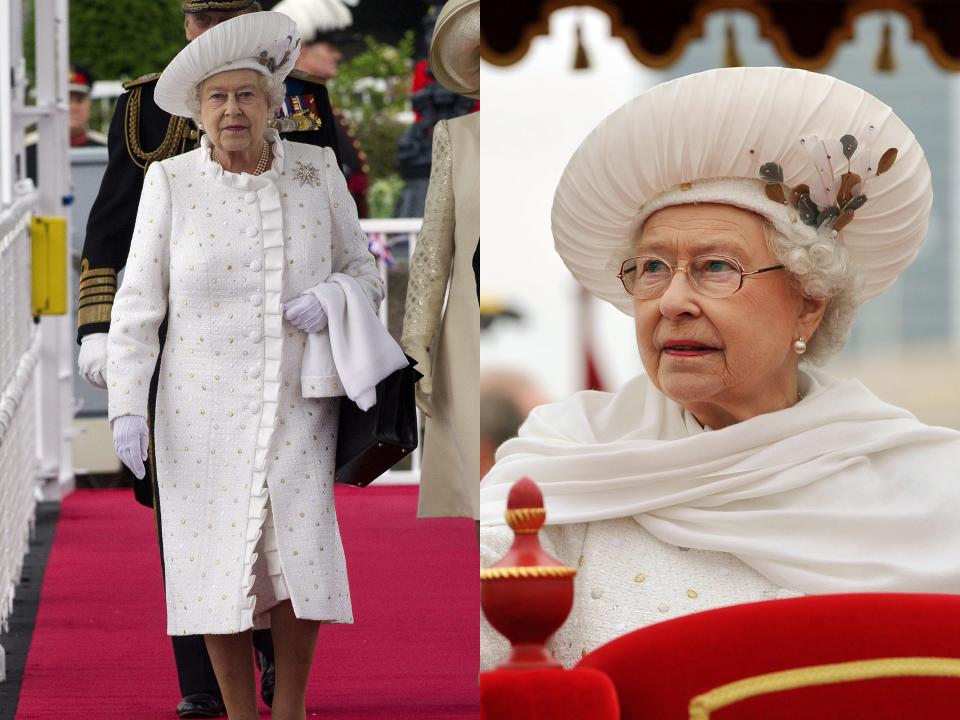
(306, 313)
(131, 439)
(418, 351)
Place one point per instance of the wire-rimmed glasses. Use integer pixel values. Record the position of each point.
(714, 276)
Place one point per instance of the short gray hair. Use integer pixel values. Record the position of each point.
(821, 270)
(269, 85)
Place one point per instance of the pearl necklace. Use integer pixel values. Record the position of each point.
(261, 164)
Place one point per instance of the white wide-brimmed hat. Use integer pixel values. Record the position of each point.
(455, 47)
(818, 157)
(267, 42)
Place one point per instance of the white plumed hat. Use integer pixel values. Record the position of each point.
(267, 42)
(318, 16)
(776, 141)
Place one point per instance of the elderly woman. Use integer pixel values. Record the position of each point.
(733, 470)
(224, 235)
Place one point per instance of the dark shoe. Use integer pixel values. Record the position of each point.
(268, 679)
(201, 705)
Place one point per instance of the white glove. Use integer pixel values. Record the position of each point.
(92, 362)
(132, 440)
(306, 313)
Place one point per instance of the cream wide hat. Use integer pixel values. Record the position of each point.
(809, 152)
(455, 47)
(267, 42)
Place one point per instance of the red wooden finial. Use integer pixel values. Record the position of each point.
(528, 594)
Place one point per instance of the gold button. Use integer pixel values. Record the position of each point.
(691, 593)
(639, 578)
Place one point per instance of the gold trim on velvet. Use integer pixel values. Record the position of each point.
(703, 705)
(927, 23)
(530, 571)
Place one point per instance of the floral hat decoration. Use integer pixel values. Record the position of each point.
(267, 42)
(821, 159)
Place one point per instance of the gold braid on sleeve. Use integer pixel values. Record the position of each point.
(174, 141)
(98, 287)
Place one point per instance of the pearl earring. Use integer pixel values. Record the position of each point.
(799, 346)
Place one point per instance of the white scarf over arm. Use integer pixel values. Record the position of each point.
(354, 352)
(840, 493)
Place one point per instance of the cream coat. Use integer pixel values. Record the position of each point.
(450, 472)
(217, 253)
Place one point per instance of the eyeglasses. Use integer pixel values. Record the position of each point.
(713, 276)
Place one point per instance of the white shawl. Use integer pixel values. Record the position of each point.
(354, 352)
(839, 493)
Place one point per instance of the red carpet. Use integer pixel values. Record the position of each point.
(99, 650)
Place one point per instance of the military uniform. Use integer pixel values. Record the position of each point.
(142, 133)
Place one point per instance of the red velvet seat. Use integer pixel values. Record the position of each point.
(883, 657)
(547, 695)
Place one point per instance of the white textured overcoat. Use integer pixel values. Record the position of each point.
(217, 253)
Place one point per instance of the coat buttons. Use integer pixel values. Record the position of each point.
(254, 372)
(256, 265)
(252, 231)
(250, 198)
(254, 407)
(255, 336)
(256, 300)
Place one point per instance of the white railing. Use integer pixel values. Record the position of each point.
(35, 390)
(19, 350)
(384, 233)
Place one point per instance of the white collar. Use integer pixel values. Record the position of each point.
(243, 181)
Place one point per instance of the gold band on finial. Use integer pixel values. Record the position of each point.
(526, 519)
(531, 571)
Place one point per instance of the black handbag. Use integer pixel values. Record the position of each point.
(371, 442)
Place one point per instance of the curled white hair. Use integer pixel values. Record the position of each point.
(820, 268)
(270, 85)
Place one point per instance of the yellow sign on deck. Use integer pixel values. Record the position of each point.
(49, 236)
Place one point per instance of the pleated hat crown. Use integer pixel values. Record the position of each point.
(728, 135)
(267, 42)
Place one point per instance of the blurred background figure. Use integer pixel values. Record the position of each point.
(432, 102)
(81, 83)
(506, 399)
(80, 86)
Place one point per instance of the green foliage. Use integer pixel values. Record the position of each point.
(372, 89)
(376, 81)
(383, 195)
(117, 39)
